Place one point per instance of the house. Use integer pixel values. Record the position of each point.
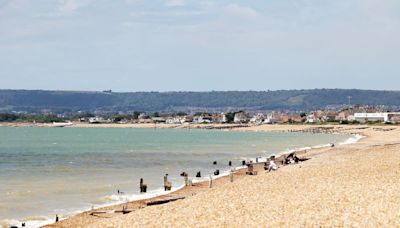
(187, 119)
(312, 118)
(257, 119)
(240, 117)
(201, 119)
(329, 116)
(346, 114)
(177, 120)
(394, 117)
(219, 118)
(270, 119)
(158, 119)
(97, 120)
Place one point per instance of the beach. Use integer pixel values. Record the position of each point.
(64, 171)
(347, 185)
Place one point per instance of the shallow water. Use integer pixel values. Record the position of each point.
(48, 171)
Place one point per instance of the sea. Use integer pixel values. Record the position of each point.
(49, 171)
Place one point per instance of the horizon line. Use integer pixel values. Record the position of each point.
(192, 91)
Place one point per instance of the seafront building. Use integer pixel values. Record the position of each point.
(356, 114)
(386, 117)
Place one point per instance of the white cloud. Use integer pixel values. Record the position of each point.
(69, 6)
(240, 11)
(175, 2)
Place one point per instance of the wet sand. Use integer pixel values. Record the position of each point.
(348, 185)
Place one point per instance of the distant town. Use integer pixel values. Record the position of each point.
(349, 115)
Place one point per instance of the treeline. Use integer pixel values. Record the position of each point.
(306, 100)
(38, 118)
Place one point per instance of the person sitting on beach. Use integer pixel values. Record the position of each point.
(289, 159)
(296, 159)
(272, 166)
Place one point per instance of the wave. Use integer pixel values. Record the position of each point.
(352, 140)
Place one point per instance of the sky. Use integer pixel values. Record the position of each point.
(199, 45)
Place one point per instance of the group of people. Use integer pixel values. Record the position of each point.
(289, 159)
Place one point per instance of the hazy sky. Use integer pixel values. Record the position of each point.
(143, 45)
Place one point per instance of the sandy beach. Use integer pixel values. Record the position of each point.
(348, 185)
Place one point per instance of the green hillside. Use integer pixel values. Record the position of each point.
(58, 101)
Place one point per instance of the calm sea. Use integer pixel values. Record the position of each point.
(48, 171)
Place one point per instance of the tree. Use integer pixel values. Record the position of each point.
(230, 116)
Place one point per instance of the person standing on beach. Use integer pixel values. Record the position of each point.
(165, 182)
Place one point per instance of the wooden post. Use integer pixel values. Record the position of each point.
(231, 175)
(186, 180)
(211, 181)
(143, 187)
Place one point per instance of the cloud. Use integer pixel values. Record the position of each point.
(69, 6)
(240, 11)
(175, 2)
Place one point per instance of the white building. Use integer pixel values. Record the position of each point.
(97, 119)
(311, 118)
(257, 119)
(240, 117)
(380, 116)
(223, 118)
(201, 119)
(175, 120)
(270, 119)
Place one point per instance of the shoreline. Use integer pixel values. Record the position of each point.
(190, 191)
(183, 190)
(311, 128)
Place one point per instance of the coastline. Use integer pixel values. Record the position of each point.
(198, 187)
(337, 187)
(85, 219)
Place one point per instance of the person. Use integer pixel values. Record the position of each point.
(165, 182)
(296, 159)
(272, 166)
(291, 159)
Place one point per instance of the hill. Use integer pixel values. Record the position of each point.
(61, 101)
